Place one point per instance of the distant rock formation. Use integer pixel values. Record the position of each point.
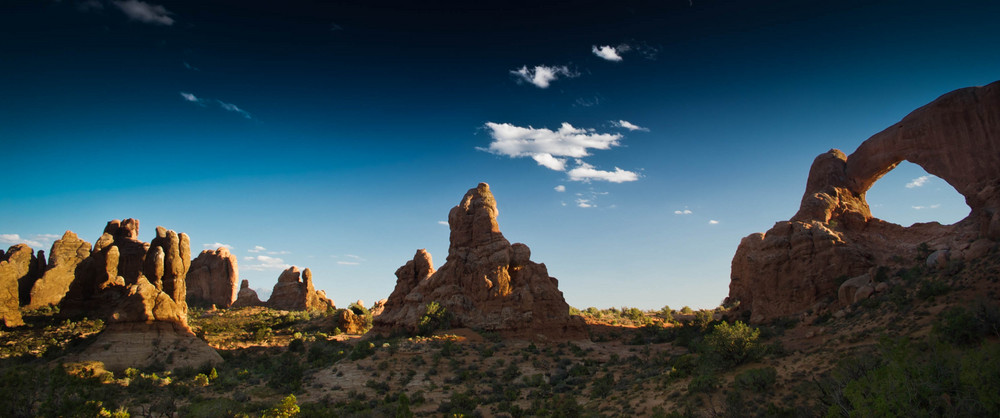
(66, 254)
(295, 291)
(213, 279)
(795, 266)
(486, 283)
(246, 297)
(16, 267)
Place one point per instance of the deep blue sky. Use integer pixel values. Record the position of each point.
(337, 135)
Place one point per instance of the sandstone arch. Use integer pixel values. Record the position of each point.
(795, 265)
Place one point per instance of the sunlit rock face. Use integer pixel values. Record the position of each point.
(16, 267)
(295, 292)
(796, 265)
(486, 283)
(66, 254)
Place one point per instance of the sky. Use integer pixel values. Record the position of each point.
(630, 145)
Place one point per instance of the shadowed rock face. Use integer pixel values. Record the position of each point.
(213, 278)
(486, 283)
(796, 264)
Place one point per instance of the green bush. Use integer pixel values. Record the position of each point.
(734, 344)
(704, 383)
(757, 380)
(435, 317)
(288, 407)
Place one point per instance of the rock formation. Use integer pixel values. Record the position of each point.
(16, 267)
(486, 283)
(246, 296)
(295, 292)
(66, 254)
(795, 266)
(140, 289)
(213, 279)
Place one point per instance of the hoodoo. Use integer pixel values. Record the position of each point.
(486, 283)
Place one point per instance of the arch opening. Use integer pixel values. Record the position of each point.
(908, 194)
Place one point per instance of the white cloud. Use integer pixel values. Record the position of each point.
(713, 222)
(192, 98)
(560, 188)
(233, 108)
(682, 212)
(584, 203)
(586, 172)
(348, 263)
(607, 52)
(926, 207)
(263, 262)
(256, 249)
(36, 242)
(629, 125)
(145, 12)
(545, 144)
(218, 245)
(584, 102)
(550, 162)
(541, 76)
(918, 182)
(445, 223)
(190, 67)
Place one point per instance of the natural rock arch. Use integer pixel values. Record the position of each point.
(796, 264)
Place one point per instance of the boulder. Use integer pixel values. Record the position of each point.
(351, 322)
(797, 262)
(938, 259)
(213, 279)
(67, 253)
(378, 307)
(852, 289)
(246, 296)
(486, 283)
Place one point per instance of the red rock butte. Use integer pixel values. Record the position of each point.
(795, 266)
(486, 283)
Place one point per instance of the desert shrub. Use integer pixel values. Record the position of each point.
(460, 404)
(435, 317)
(288, 407)
(704, 383)
(213, 407)
(757, 380)
(574, 311)
(734, 344)
(930, 288)
(602, 386)
(286, 374)
(362, 350)
(635, 315)
(968, 327)
(702, 319)
(201, 379)
(687, 310)
(918, 379)
(296, 345)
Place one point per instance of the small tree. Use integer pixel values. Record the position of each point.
(735, 344)
(435, 317)
(287, 408)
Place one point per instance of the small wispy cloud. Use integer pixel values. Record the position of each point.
(628, 125)
(587, 102)
(348, 263)
(188, 97)
(218, 245)
(541, 76)
(926, 207)
(560, 188)
(445, 223)
(263, 263)
(713, 222)
(190, 67)
(586, 172)
(607, 52)
(233, 108)
(257, 249)
(145, 12)
(683, 212)
(335, 27)
(584, 203)
(918, 182)
(192, 98)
